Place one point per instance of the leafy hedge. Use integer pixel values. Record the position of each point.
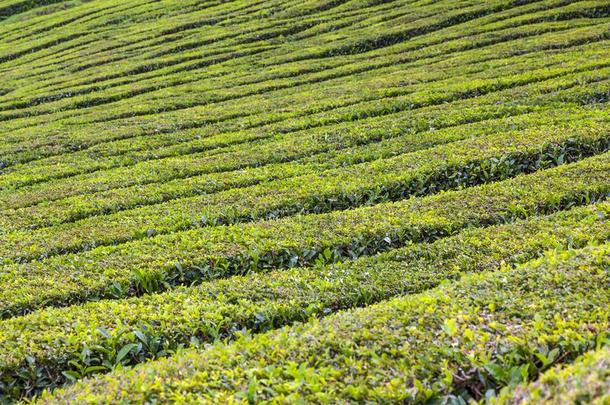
(394, 100)
(453, 166)
(202, 181)
(319, 112)
(71, 199)
(154, 264)
(299, 144)
(41, 349)
(587, 380)
(461, 340)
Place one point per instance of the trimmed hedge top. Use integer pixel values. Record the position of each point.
(463, 338)
(322, 199)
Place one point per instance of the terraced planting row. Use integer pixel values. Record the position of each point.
(397, 201)
(239, 108)
(386, 142)
(278, 147)
(145, 99)
(471, 336)
(459, 164)
(155, 263)
(156, 325)
(130, 105)
(277, 16)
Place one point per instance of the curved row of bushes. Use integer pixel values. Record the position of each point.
(43, 349)
(460, 341)
(153, 264)
(456, 165)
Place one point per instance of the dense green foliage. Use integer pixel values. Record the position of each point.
(585, 381)
(470, 336)
(324, 200)
(212, 310)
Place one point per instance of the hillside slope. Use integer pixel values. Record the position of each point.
(203, 181)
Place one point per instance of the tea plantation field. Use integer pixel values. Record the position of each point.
(315, 201)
